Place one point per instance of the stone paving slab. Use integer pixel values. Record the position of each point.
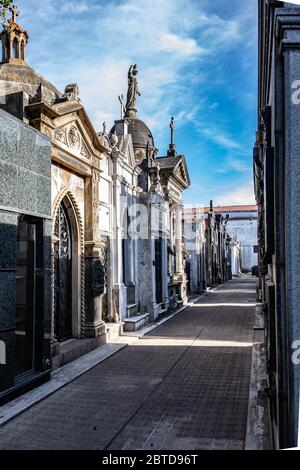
(184, 385)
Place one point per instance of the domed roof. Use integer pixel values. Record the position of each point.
(15, 78)
(140, 133)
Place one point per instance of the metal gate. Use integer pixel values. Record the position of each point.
(63, 275)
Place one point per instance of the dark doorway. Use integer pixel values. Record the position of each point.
(158, 269)
(62, 275)
(29, 288)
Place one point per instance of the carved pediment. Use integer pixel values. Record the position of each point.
(181, 172)
(71, 137)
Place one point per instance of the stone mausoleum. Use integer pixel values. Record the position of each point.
(25, 256)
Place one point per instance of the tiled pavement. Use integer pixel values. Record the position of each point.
(185, 385)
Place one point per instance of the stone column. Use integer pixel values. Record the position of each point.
(129, 246)
(117, 233)
(178, 240)
(180, 276)
(165, 277)
(119, 290)
(172, 260)
(96, 252)
(95, 287)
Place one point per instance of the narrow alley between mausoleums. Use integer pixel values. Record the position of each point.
(183, 385)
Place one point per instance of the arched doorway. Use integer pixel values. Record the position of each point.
(68, 315)
(63, 274)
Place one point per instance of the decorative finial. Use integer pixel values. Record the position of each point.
(123, 109)
(172, 127)
(172, 148)
(14, 13)
(104, 128)
(132, 93)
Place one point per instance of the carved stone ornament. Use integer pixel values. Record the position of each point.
(96, 176)
(114, 139)
(73, 138)
(71, 92)
(84, 151)
(60, 136)
(156, 198)
(140, 155)
(96, 179)
(104, 141)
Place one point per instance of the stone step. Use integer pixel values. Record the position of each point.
(131, 310)
(113, 330)
(162, 312)
(75, 348)
(137, 322)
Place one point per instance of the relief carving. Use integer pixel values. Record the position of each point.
(60, 136)
(96, 179)
(84, 151)
(74, 138)
(140, 155)
(104, 141)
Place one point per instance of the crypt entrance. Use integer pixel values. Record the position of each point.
(66, 273)
(62, 275)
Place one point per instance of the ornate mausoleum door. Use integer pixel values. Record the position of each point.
(63, 276)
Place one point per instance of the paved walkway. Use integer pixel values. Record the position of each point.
(184, 385)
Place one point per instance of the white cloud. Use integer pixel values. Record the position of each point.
(162, 41)
(233, 163)
(176, 46)
(243, 195)
(218, 31)
(218, 136)
(75, 7)
(239, 165)
(186, 46)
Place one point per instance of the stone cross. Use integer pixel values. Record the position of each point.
(14, 13)
(123, 109)
(172, 127)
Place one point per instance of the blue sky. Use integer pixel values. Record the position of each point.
(197, 61)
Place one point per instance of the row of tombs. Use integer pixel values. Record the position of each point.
(91, 224)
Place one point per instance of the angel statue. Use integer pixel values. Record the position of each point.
(133, 91)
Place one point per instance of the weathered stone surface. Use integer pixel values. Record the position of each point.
(8, 237)
(8, 184)
(25, 167)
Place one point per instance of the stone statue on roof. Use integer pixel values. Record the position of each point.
(133, 92)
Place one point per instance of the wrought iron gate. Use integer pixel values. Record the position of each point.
(63, 275)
